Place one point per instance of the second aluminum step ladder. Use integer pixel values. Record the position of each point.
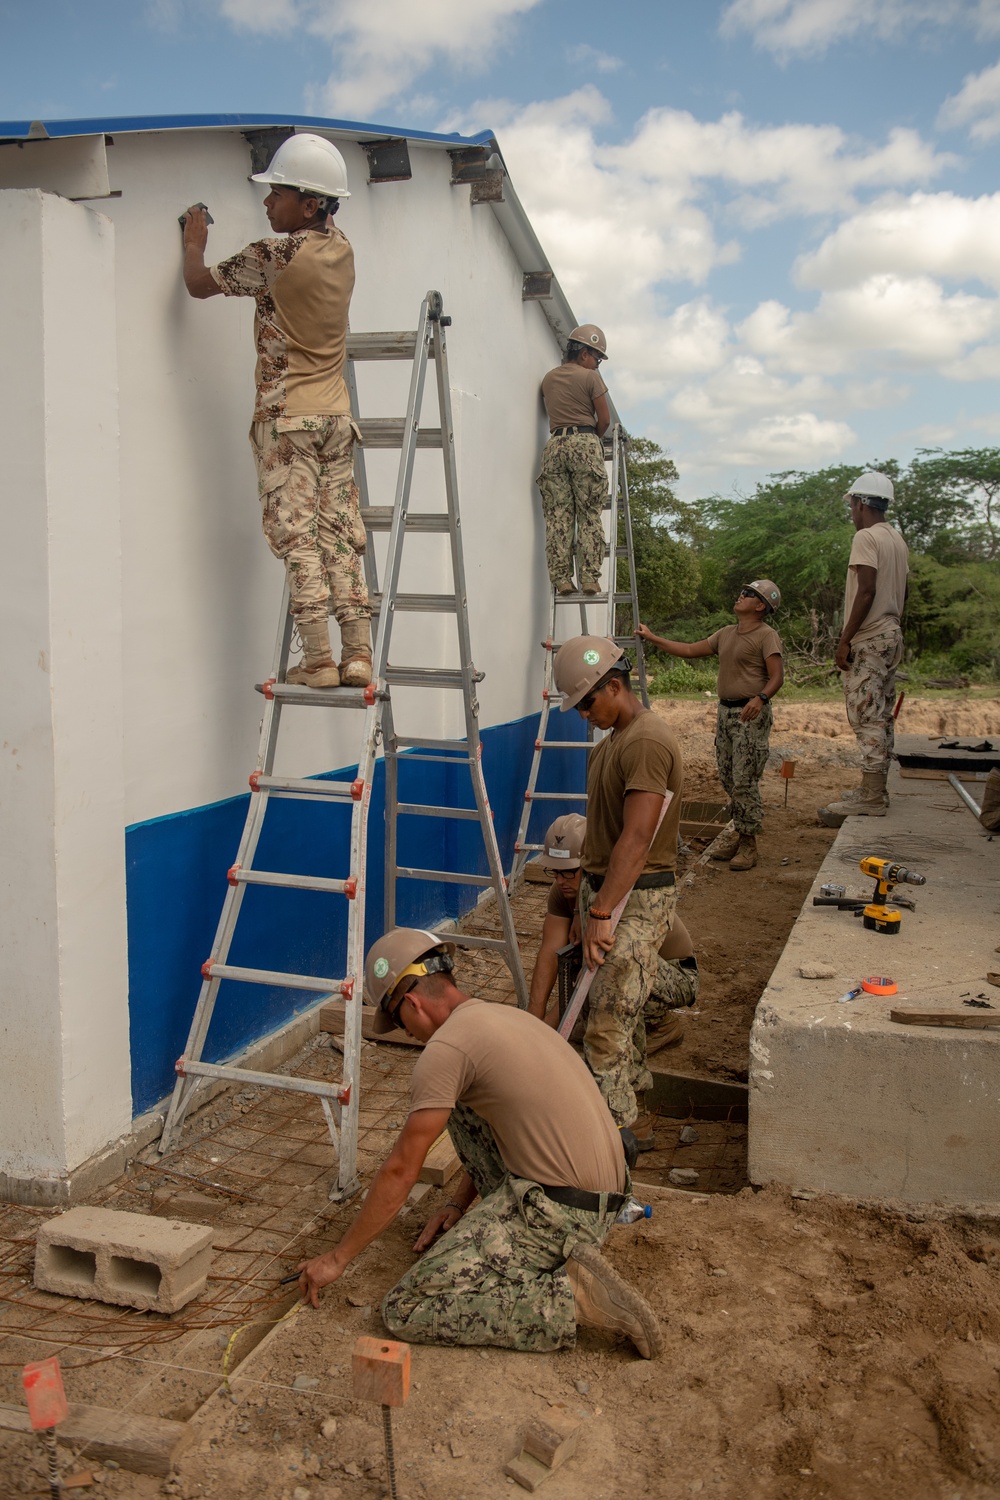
(340, 1101)
(599, 614)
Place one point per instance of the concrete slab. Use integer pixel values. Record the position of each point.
(841, 1098)
(132, 1260)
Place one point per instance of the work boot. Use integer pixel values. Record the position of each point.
(317, 669)
(355, 653)
(603, 1300)
(667, 1034)
(565, 586)
(746, 855)
(642, 1126)
(590, 586)
(725, 845)
(870, 800)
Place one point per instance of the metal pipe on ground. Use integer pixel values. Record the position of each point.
(970, 802)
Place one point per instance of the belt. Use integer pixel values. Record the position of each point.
(734, 702)
(589, 1202)
(651, 882)
(568, 431)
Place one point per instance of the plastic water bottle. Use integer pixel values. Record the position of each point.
(632, 1210)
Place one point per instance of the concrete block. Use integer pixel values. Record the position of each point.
(132, 1260)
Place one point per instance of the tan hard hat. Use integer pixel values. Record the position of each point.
(563, 844)
(388, 960)
(580, 664)
(591, 337)
(768, 591)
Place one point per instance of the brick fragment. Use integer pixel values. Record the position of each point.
(528, 1472)
(131, 1260)
(552, 1439)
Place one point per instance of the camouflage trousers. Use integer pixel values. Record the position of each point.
(741, 752)
(870, 694)
(498, 1277)
(574, 486)
(673, 988)
(614, 1043)
(310, 513)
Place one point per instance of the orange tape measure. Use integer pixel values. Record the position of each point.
(879, 984)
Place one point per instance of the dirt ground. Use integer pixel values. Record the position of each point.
(813, 1347)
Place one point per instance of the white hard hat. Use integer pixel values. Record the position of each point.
(308, 162)
(872, 485)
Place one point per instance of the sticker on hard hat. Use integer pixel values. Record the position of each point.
(558, 853)
(591, 658)
(381, 968)
(593, 338)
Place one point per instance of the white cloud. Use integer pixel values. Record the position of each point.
(977, 104)
(937, 234)
(794, 440)
(591, 57)
(807, 27)
(381, 46)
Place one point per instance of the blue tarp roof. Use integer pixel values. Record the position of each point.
(21, 129)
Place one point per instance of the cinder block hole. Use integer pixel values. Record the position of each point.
(136, 1275)
(76, 1265)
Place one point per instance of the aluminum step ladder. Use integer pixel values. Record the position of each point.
(608, 606)
(340, 1101)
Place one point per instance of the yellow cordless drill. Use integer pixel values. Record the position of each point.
(886, 874)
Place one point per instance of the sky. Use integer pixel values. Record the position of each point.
(784, 213)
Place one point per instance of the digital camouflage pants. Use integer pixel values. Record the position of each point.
(870, 695)
(310, 514)
(614, 1042)
(673, 988)
(741, 754)
(574, 486)
(498, 1277)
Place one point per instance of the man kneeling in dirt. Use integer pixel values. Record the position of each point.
(520, 1269)
(676, 982)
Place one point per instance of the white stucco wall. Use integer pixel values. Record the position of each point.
(64, 1001)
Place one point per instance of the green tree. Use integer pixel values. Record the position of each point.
(961, 491)
(663, 530)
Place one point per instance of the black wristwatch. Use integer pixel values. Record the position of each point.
(763, 698)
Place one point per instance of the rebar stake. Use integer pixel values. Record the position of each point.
(390, 1458)
(55, 1487)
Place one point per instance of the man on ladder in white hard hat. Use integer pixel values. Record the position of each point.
(572, 478)
(302, 433)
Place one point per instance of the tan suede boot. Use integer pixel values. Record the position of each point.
(669, 1033)
(746, 855)
(870, 800)
(602, 1299)
(317, 669)
(355, 653)
(725, 845)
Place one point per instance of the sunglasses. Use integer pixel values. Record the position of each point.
(751, 594)
(586, 704)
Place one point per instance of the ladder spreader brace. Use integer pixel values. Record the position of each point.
(607, 603)
(340, 1101)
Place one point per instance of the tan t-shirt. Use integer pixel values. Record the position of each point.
(644, 757)
(538, 1097)
(743, 658)
(302, 285)
(881, 547)
(569, 392)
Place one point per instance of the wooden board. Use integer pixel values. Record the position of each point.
(331, 1019)
(441, 1163)
(146, 1445)
(968, 1020)
(943, 775)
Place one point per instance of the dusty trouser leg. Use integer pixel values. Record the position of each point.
(724, 718)
(614, 1043)
(675, 986)
(749, 746)
(288, 484)
(498, 1277)
(870, 694)
(343, 540)
(557, 509)
(588, 476)
(476, 1148)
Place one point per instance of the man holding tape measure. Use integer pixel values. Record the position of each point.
(630, 856)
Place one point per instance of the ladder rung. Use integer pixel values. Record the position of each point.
(430, 604)
(379, 518)
(292, 882)
(555, 796)
(387, 432)
(628, 641)
(448, 877)
(307, 697)
(528, 848)
(383, 345)
(564, 745)
(452, 677)
(577, 598)
(421, 742)
(470, 940)
(308, 786)
(338, 1091)
(274, 976)
(436, 760)
(424, 810)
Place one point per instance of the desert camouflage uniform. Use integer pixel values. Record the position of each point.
(614, 1042)
(673, 988)
(574, 486)
(741, 752)
(498, 1277)
(870, 693)
(310, 512)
